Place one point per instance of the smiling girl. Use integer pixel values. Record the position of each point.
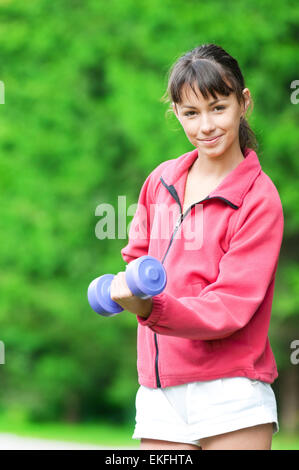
(205, 364)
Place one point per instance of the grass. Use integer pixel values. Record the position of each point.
(106, 435)
(100, 434)
(285, 441)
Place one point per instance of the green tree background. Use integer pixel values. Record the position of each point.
(82, 124)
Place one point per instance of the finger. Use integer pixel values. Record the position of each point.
(123, 282)
(115, 289)
(119, 288)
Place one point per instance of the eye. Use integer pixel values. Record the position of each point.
(188, 113)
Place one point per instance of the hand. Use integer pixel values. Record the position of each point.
(121, 294)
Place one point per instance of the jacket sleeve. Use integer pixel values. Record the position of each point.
(245, 273)
(139, 232)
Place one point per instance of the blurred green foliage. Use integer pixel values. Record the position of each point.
(82, 124)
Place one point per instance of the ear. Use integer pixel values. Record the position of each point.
(247, 99)
(174, 109)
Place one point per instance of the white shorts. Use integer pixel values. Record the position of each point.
(186, 413)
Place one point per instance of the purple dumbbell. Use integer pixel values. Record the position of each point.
(145, 277)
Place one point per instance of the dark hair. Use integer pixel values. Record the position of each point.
(214, 70)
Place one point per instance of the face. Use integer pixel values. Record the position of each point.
(204, 119)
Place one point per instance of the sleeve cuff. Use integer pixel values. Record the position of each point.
(158, 302)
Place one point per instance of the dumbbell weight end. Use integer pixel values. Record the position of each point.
(99, 296)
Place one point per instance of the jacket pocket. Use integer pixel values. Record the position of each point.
(196, 289)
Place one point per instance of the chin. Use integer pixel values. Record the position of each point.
(211, 152)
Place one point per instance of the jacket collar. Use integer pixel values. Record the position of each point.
(232, 188)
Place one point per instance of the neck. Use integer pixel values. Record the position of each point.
(211, 167)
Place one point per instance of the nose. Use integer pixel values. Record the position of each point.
(207, 125)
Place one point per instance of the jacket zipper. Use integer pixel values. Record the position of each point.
(182, 215)
(178, 223)
(180, 219)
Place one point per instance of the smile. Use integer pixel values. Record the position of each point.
(211, 141)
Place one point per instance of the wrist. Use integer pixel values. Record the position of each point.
(147, 310)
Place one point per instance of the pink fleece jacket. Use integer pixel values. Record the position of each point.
(221, 255)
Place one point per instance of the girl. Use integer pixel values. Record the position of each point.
(205, 364)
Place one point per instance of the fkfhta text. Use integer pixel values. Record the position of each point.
(152, 459)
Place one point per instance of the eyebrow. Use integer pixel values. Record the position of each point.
(210, 104)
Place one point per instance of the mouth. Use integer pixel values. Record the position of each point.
(211, 141)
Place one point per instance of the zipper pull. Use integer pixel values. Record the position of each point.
(178, 222)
